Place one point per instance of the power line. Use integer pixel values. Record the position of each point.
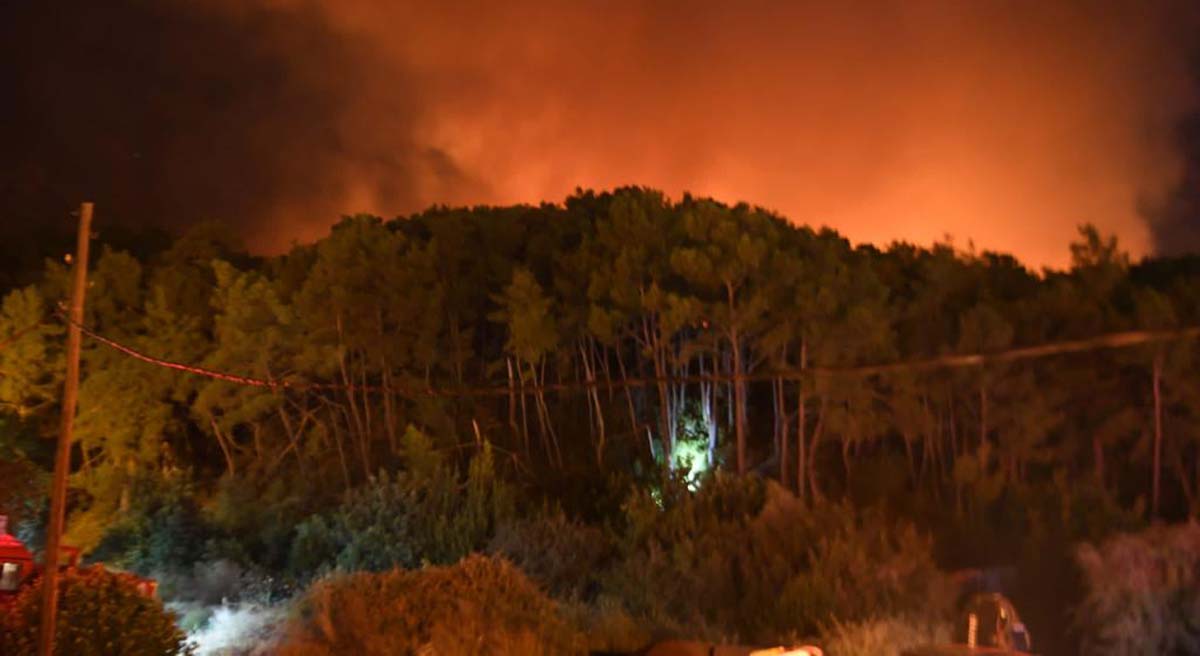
(1107, 341)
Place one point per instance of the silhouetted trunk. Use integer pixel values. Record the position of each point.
(708, 402)
(818, 431)
(782, 426)
(1185, 484)
(658, 356)
(633, 422)
(983, 416)
(524, 409)
(593, 396)
(801, 426)
(739, 400)
(1158, 436)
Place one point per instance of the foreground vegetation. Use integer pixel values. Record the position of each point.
(641, 404)
(103, 614)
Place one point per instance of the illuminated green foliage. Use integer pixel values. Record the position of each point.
(101, 614)
(426, 513)
(541, 353)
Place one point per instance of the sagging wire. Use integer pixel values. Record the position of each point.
(1107, 341)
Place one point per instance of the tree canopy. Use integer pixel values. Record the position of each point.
(609, 334)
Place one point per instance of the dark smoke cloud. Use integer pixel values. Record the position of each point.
(167, 112)
(1004, 122)
(1175, 219)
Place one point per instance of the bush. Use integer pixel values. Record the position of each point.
(790, 568)
(212, 582)
(1143, 593)
(562, 555)
(101, 613)
(23, 496)
(888, 636)
(479, 606)
(425, 514)
(257, 520)
(609, 628)
(163, 531)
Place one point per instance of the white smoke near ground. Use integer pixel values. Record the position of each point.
(237, 629)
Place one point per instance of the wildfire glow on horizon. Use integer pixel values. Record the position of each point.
(1004, 125)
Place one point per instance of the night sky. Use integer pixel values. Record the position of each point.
(1005, 123)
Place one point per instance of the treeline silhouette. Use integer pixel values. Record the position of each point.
(698, 300)
(629, 284)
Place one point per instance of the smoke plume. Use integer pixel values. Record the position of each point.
(1007, 124)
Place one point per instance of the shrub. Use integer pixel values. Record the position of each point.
(425, 514)
(887, 636)
(212, 582)
(164, 529)
(479, 606)
(256, 520)
(101, 613)
(609, 628)
(23, 495)
(790, 568)
(564, 556)
(1142, 593)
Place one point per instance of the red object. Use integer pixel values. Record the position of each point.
(16, 563)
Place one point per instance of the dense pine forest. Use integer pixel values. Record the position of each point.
(612, 393)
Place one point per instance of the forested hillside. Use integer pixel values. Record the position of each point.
(607, 344)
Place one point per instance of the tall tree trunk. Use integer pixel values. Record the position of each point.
(708, 409)
(294, 434)
(369, 432)
(1185, 483)
(1098, 460)
(784, 432)
(729, 395)
(593, 395)
(983, 416)
(600, 355)
(927, 453)
(782, 425)
(512, 406)
(801, 425)
(225, 449)
(127, 484)
(524, 409)
(456, 341)
(633, 422)
(337, 441)
(679, 397)
(1158, 435)
(939, 466)
(775, 414)
(351, 400)
(954, 453)
(389, 408)
(739, 400)
(658, 354)
(545, 422)
(385, 379)
(818, 432)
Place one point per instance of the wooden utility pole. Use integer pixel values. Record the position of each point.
(62, 459)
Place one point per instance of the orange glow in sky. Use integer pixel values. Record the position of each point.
(1004, 124)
